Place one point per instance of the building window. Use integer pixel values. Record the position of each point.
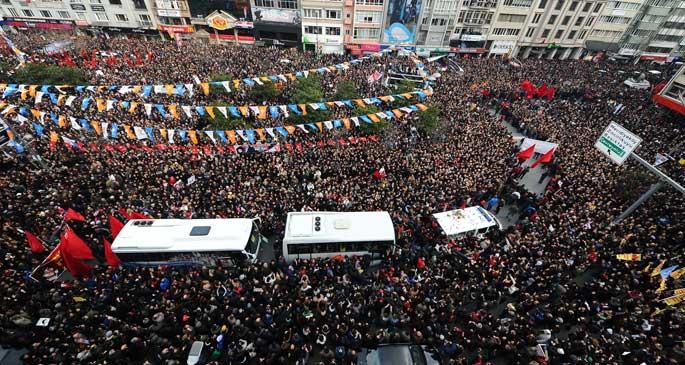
(559, 33)
(511, 18)
(27, 12)
(545, 33)
(571, 34)
(368, 16)
(530, 31)
(566, 20)
(96, 1)
(139, 4)
(582, 34)
(101, 16)
(560, 4)
(45, 14)
(579, 21)
(597, 7)
(591, 20)
(63, 14)
(265, 3)
(312, 29)
(367, 33)
(333, 14)
(13, 12)
(332, 31)
(311, 13)
(552, 19)
(287, 4)
(439, 22)
(536, 18)
(542, 4)
(586, 8)
(121, 18)
(369, 2)
(506, 31)
(518, 3)
(115, 2)
(573, 6)
(81, 16)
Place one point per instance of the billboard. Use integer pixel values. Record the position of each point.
(276, 15)
(402, 20)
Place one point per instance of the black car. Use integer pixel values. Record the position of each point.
(398, 354)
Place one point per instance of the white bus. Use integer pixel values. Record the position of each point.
(188, 241)
(471, 221)
(327, 234)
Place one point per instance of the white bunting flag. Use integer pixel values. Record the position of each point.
(125, 89)
(314, 106)
(241, 133)
(189, 87)
(328, 124)
(255, 110)
(74, 124)
(225, 85)
(270, 131)
(381, 115)
(368, 101)
(104, 126)
(258, 81)
(39, 97)
(305, 73)
(282, 77)
(339, 103)
(284, 110)
(406, 110)
(140, 132)
(302, 127)
(170, 134)
(91, 88)
(222, 109)
(70, 100)
(186, 110)
(148, 109)
(356, 121)
(160, 89)
(210, 134)
(110, 104)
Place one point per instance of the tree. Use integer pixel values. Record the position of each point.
(309, 90)
(373, 128)
(267, 91)
(346, 90)
(41, 74)
(219, 89)
(223, 123)
(405, 86)
(428, 119)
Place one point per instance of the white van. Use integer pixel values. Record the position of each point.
(471, 221)
(327, 234)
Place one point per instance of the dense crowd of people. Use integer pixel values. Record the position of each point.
(552, 277)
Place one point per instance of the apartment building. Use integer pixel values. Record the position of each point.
(558, 28)
(322, 25)
(117, 15)
(174, 17)
(474, 23)
(363, 25)
(612, 23)
(509, 24)
(436, 25)
(656, 31)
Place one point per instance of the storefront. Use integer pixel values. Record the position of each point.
(39, 23)
(276, 26)
(177, 31)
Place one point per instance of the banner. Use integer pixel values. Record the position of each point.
(629, 256)
(179, 89)
(259, 112)
(155, 134)
(401, 21)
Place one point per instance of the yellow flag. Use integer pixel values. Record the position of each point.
(236, 83)
(678, 273)
(193, 136)
(262, 112)
(662, 286)
(374, 118)
(320, 126)
(132, 109)
(169, 89)
(137, 89)
(260, 132)
(421, 107)
(657, 312)
(673, 300)
(96, 126)
(397, 112)
(244, 110)
(304, 108)
(62, 121)
(173, 110)
(24, 94)
(657, 269)
(679, 291)
(129, 132)
(290, 128)
(629, 256)
(53, 137)
(60, 98)
(231, 136)
(32, 90)
(100, 104)
(205, 88)
(162, 132)
(35, 113)
(210, 111)
(359, 102)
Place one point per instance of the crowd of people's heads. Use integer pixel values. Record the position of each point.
(551, 278)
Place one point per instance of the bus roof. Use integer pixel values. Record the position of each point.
(464, 220)
(183, 235)
(338, 227)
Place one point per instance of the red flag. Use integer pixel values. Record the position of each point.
(542, 90)
(111, 257)
(115, 226)
(526, 154)
(55, 257)
(550, 93)
(74, 246)
(73, 215)
(547, 157)
(136, 215)
(35, 244)
(75, 266)
(139, 60)
(124, 213)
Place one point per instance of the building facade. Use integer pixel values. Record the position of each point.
(277, 22)
(174, 17)
(656, 31)
(612, 23)
(363, 25)
(66, 14)
(322, 26)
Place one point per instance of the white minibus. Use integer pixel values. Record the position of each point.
(328, 234)
(471, 221)
(188, 241)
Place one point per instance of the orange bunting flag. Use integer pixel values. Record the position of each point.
(260, 132)
(100, 104)
(162, 132)
(62, 121)
(421, 107)
(174, 111)
(290, 128)
(320, 126)
(346, 123)
(205, 88)
(193, 136)
(244, 110)
(129, 132)
(24, 94)
(96, 126)
(359, 102)
(35, 113)
(54, 138)
(291, 77)
(374, 118)
(304, 108)
(60, 98)
(231, 136)
(407, 95)
(169, 88)
(262, 112)
(137, 89)
(210, 111)
(397, 112)
(132, 109)
(32, 90)
(236, 83)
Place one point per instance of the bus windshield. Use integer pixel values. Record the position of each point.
(253, 242)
